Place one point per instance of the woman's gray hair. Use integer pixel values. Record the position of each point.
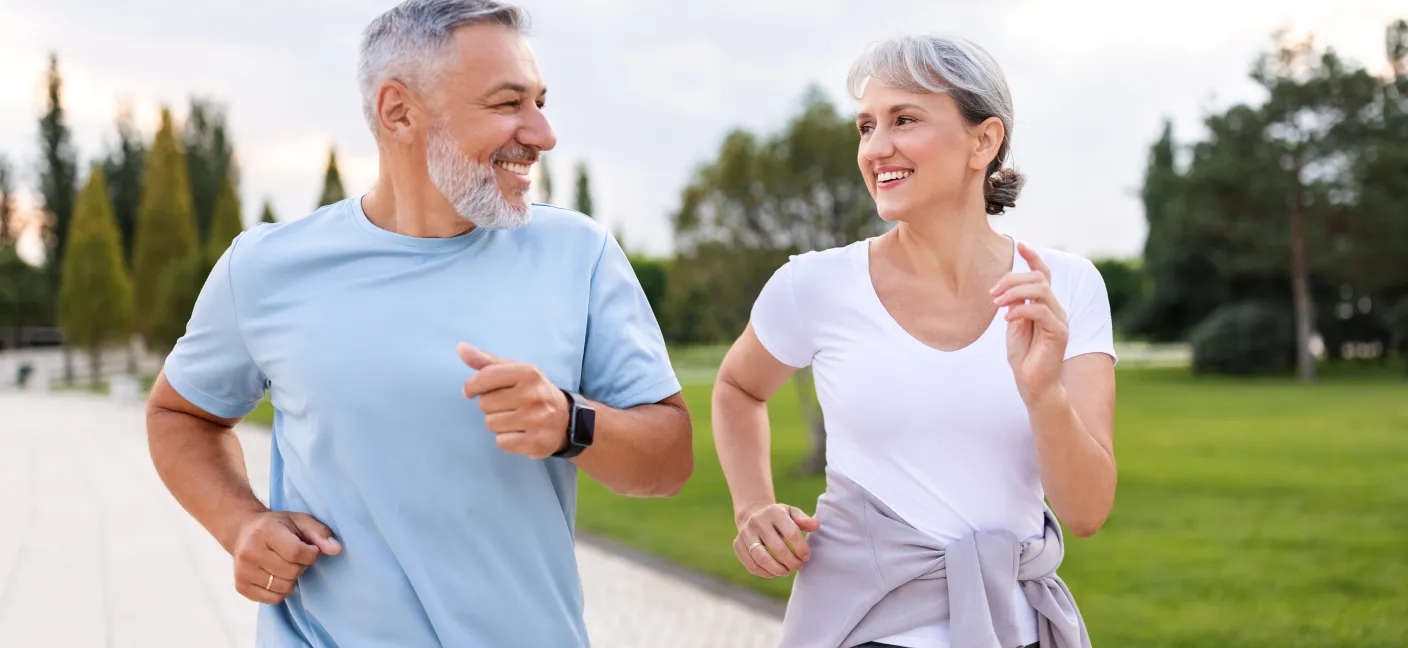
(408, 42)
(962, 70)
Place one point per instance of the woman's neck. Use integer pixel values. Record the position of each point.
(952, 247)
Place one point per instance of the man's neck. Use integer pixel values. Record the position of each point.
(411, 208)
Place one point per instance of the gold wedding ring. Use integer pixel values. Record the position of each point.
(270, 585)
(753, 546)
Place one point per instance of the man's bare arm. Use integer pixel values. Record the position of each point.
(643, 451)
(200, 460)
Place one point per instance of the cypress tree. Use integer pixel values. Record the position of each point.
(332, 183)
(166, 227)
(268, 215)
(95, 296)
(225, 223)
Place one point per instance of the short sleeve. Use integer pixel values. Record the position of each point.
(1089, 326)
(776, 320)
(625, 363)
(211, 366)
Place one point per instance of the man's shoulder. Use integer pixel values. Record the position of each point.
(558, 234)
(555, 221)
(318, 225)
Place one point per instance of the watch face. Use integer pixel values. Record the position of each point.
(585, 429)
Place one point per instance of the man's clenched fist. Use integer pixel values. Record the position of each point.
(526, 412)
(272, 551)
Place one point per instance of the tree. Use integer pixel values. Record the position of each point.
(547, 178)
(95, 299)
(764, 197)
(1312, 111)
(166, 230)
(123, 169)
(226, 223)
(210, 159)
(584, 191)
(24, 295)
(58, 173)
(7, 204)
(267, 216)
(332, 183)
(58, 179)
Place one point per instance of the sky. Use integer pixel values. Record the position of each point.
(644, 91)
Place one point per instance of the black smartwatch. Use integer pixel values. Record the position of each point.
(581, 426)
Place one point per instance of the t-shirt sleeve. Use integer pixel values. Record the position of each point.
(210, 365)
(626, 363)
(779, 324)
(1088, 323)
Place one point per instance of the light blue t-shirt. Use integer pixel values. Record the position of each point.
(447, 539)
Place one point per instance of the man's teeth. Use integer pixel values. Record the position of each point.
(514, 167)
(894, 175)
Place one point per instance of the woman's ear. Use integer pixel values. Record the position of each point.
(987, 141)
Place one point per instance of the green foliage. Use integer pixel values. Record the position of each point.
(166, 229)
(123, 168)
(760, 199)
(7, 202)
(546, 178)
(1244, 338)
(268, 214)
(180, 285)
(1124, 282)
(1397, 321)
(332, 183)
(95, 296)
(226, 223)
(210, 160)
(58, 170)
(25, 298)
(584, 191)
(653, 275)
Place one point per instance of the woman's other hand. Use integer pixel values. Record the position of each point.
(770, 541)
(1036, 329)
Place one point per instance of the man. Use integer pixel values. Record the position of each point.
(442, 356)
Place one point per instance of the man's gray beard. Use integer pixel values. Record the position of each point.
(469, 186)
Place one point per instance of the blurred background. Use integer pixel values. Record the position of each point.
(1237, 169)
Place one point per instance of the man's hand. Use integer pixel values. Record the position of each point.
(273, 550)
(527, 413)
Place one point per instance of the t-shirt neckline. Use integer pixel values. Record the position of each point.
(457, 242)
(873, 297)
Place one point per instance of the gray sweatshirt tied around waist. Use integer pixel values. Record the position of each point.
(872, 575)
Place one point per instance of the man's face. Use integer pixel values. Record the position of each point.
(487, 126)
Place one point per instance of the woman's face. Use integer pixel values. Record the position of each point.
(916, 150)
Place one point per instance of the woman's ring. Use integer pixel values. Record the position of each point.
(753, 546)
(270, 585)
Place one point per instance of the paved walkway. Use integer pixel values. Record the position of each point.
(94, 553)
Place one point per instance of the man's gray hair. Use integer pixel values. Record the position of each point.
(408, 42)
(960, 69)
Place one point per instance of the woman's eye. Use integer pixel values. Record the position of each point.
(904, 120)
(865, 129)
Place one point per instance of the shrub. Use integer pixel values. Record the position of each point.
(1244, 338)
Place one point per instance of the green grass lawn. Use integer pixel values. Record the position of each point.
(1250, 513)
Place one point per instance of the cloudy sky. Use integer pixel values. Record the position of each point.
(644, 90)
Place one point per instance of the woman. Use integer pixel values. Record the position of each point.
(964, 377)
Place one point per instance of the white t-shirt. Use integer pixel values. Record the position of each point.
(943, 438)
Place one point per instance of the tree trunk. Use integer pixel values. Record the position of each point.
(95, 359)
(68, 364)
(815, 461)
(132, 355)
(1300, 288)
